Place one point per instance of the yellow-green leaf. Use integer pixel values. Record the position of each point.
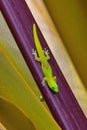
(17, 120)
(18, 87)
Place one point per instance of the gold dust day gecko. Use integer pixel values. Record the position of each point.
(42, 56)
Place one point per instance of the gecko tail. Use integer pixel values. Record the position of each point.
(37, 41)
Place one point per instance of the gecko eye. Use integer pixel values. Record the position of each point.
(53, 88)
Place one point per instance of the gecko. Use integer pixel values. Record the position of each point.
(43, 57)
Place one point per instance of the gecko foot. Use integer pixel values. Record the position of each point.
(34, 52)
(46, 51)
(43, 83)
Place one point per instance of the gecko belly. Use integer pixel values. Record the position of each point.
(46, 69)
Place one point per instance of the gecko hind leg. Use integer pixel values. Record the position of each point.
(46, 52)
(35, 55)
(47, 57)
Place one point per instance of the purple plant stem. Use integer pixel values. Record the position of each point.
(63, 105)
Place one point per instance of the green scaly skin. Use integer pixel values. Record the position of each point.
(43, 57)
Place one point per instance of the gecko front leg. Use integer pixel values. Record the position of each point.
(44, 81)
(54, 78)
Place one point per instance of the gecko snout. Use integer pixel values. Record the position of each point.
(55, 88)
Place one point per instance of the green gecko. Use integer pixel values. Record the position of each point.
(42, 56)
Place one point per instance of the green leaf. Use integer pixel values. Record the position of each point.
(16, 117)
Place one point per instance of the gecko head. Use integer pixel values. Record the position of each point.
(54, 86)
